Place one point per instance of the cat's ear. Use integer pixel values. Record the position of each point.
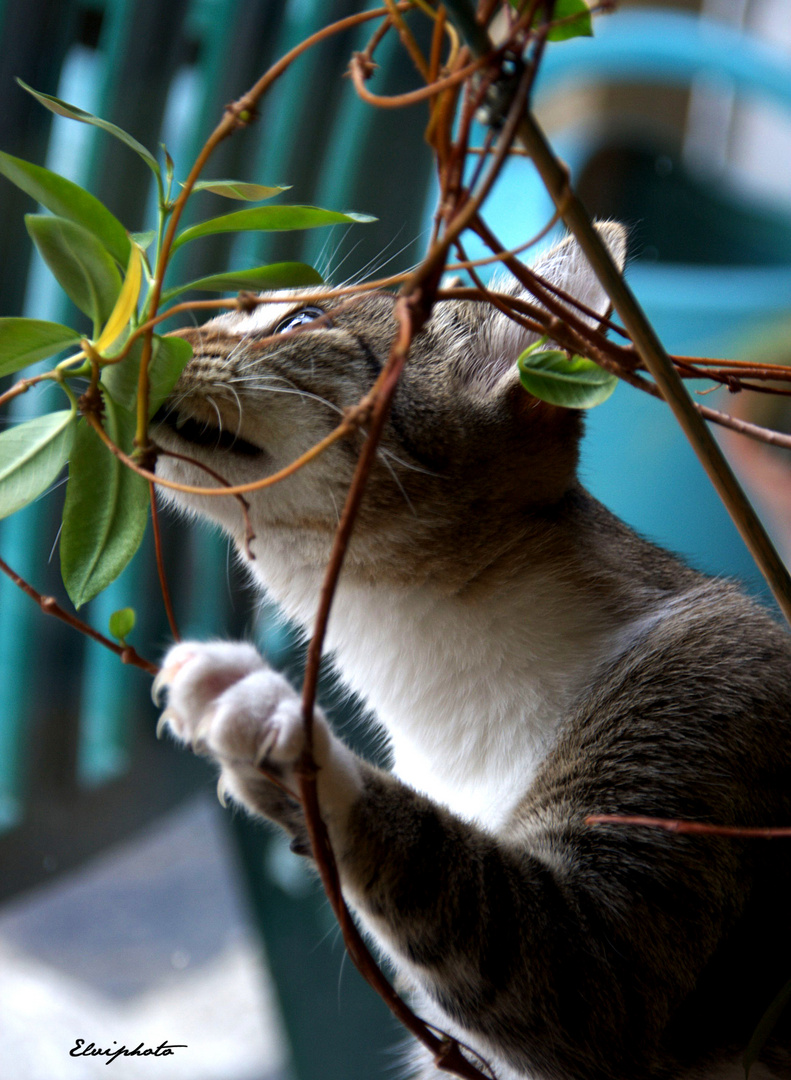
(566, 267)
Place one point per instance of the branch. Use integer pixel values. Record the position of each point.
(163, 581)
(697, 827)
(50, 605)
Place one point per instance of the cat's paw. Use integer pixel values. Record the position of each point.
(224, 702)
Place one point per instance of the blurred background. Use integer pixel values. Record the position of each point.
(132, 908)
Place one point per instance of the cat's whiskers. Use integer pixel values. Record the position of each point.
(328, 270)
(378, 262)
(238, 402)
(258, 384)
(214, 405)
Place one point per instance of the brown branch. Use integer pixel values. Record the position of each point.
(501, 256)
(360, 68)
(748, 367)
(50, 605)
(747, 832)
(245, 301)
(23, 386)
(163, 581)
(340, 431)
(412, 311)
(408, 40)
(249, 534)
(556, 180)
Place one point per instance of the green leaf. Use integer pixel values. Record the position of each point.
(122, 623)
(106, 509)
(72, 112)
(31, 456)
(275, 276)
(80, 262)
(766, 1026)
(170, 355)
(581, 26)
(23, 341)
(268, 219)
(575, 384)
(237, 189)
(144, 239)
(69, 200)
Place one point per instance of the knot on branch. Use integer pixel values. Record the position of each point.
(91, 403)
(358, 415)
(733, 382)
(242, 114)
(363, 64)
(146, 456)
(247, 301)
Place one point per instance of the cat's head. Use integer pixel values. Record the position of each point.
(466, 450)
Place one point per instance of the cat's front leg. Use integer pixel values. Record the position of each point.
(224, 702)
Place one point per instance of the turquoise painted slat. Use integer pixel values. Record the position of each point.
(283, 116)
(24, 124)
(24, 536)
(106, 697)
(16, 666)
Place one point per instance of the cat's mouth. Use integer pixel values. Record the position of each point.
(203, 434)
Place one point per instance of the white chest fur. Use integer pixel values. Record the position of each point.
(470, 693)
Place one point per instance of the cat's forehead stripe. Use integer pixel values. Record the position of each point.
(263, 318)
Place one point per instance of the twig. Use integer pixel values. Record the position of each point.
(22, 387)
(748, 832)
(163, 581)
(231, 489)
(408, 40)
(359, 69)
(658, 363)
(49, 604)
(249, 535)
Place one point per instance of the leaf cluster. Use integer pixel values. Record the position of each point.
(109, 274)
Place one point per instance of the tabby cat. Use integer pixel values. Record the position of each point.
(532, 661)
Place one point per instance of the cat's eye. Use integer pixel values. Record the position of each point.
(298, 318)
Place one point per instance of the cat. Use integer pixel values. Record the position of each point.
(532, 661)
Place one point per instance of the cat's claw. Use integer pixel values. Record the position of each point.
(225, 703)
(167, 673)
(162, 722)
(221, 792)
